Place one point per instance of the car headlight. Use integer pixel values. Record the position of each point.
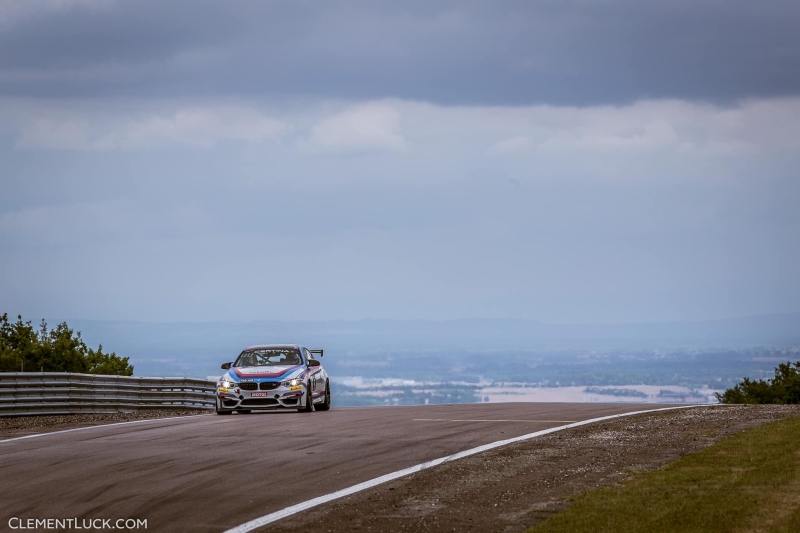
(227, 384)
(292, 382)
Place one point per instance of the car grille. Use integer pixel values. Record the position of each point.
(266, 385)
(247, 385)
(259, 401)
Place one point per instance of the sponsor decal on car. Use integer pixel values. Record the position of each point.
(254, 372)
(296, 387)
(259, 394)
(223, 389)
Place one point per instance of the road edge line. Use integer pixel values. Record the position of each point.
(314, 502)
(100, 426)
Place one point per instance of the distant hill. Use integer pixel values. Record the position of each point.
(195, 348)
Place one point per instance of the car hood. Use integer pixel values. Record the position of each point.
(268, 373)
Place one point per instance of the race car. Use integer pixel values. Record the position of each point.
(274, 376)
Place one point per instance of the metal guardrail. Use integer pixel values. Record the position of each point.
(50, 393)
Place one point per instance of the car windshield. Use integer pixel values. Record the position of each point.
(269, 357)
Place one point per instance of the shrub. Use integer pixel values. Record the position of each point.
(783, 388)
(55, 350)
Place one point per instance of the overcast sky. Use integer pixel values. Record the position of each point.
(586, 161)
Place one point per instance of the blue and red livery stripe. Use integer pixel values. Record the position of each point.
(266, 374)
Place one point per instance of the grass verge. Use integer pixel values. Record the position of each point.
(748, 482)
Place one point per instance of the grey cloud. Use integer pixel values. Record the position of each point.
(479, 52)
(596, 229)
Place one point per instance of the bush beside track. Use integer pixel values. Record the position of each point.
(23, 347)
(781, 389)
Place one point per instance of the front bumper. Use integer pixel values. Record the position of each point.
(281, 397)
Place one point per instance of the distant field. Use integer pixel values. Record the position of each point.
(360, 392)
(749, 482)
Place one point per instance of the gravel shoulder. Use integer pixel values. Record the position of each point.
(20, 426)
(515, 487)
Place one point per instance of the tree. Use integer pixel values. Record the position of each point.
(22, 347)
(783, 388)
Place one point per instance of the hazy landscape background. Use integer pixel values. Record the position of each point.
(379, 362)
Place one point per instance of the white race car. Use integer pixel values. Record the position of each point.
(274, 376)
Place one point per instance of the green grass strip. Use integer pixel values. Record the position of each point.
(748, 482)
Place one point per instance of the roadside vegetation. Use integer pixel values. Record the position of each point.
(748, 482)
(783, 388)
(24, 348)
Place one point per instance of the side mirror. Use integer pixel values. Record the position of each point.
(226, 366)
(313, 362)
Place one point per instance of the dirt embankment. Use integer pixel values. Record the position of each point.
(512, 488)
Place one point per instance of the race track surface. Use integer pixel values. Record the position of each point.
(211, 473)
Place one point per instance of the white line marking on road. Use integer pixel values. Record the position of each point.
(98, 426)
(294, 509)
(485, 420)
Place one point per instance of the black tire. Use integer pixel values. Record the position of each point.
(309, 406)
(326, 405)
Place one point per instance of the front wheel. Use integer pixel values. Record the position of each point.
(325, 406)
(309, 406)
(216, 408)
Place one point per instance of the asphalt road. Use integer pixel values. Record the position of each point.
(210, 473)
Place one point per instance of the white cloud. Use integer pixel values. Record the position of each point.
(651, 126)
(647, 127)
(364, 127)
(12, 11)
(194, 127)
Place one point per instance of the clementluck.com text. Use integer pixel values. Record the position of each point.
(77, 523)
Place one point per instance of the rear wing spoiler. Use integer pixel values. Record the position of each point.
(317, 351)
